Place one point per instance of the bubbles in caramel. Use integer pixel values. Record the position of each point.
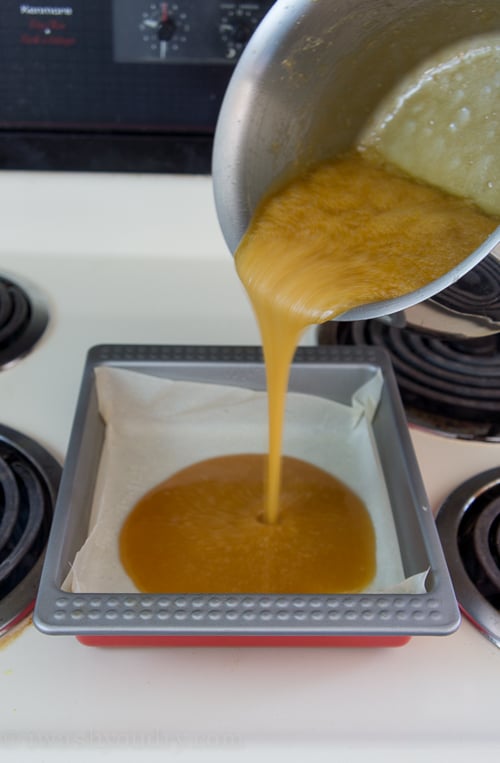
(203, 531)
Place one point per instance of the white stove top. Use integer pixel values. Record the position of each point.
(140, 259)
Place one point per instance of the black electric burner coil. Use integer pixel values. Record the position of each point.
(23, 319)
(29, 480)
(468, 523)
(448, 386)
(477, 293)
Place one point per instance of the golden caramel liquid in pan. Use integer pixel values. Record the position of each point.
(202, 531)
(343, 235)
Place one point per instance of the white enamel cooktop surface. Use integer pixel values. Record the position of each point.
(141, 259)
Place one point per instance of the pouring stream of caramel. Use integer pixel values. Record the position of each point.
(345, 234)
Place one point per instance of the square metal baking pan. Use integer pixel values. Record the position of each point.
(259, 619)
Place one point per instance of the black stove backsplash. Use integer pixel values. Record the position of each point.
(130, 85)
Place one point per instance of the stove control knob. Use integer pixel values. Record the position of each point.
(241, 32)
(237, 24)
(166, 29)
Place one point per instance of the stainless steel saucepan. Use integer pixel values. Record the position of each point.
(303, 89)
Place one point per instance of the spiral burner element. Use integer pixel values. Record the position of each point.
(448, 386)
(29, 480)
(476, 294)
(23, 319)
(468, 523)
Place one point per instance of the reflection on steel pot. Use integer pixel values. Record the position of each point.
(310, 77)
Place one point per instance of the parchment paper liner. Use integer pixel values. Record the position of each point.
(156, 426)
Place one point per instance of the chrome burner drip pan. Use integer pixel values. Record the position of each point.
(468, 523)
(29, 480)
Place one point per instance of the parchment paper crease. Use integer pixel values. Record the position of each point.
(156, 426)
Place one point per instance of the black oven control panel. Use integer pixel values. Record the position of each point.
(187, 31)
(95, 76)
